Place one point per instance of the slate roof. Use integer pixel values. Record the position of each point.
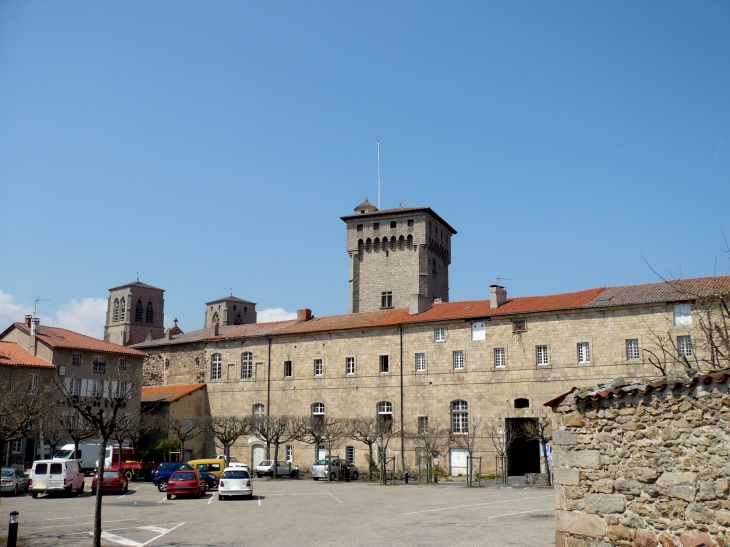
(466, 310)
(168, 394)
(619, 388)
(137, 284)
(14, 354)
(56, 337)
(230, 299)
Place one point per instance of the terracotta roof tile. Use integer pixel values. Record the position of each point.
(12, 353)
(56, 337)
(251, 330)
(168, 394)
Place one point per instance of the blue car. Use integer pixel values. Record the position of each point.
(162, 475)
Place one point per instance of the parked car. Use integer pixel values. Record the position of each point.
(213, 466)
(49, 476)
(283, 469)
(322, 468)
(235, 481)
(112, 481)
(13, 480)
(163, 473)
(185, 482)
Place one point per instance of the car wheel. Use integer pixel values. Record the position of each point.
(15, 490)
(81, 488)
(316, 478)
(333, 477)
(354, 476)
(34, 495)
(128, 474)
(259, 475)
(169, 496)
(162, 486)
(293, 475)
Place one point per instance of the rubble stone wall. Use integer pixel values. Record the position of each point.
(644, 469)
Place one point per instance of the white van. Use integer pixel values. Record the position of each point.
(56, 476)
(88, 454)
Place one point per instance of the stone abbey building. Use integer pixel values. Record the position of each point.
(405, 352)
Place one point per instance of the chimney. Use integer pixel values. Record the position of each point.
(168, 334)
(419, 304)
(305, 314)
(28, 319)
(497, 296)
(35, 327)
(215, 329)
(438, 300)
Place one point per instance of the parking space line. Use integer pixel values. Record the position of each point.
(520, 513)
(80, 524)
(211, 499)
(163, 499)
(478, 504)
(259, 499)
(335, 498)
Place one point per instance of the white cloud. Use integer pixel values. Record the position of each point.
(86, 316)
(274, 314)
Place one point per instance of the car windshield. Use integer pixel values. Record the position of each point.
(265, 463)
(64, 454)
(8, 473)
(235, 475)
(183, 476)
(166, 467)
(111, 475)
(321, 462)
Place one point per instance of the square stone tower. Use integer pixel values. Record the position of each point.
(395, 253)
(134, 312)
(230, 311)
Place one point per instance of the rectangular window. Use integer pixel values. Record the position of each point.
(439, 334)
(100, 364)
(290, 452)
(519, 326)
(97, 388)
(632, 349)
(478, 331)
(584, 352)
(359, 227)
(122, 364)
(386, 299)
(216, 367)
(376, 225)
(410, 222)
(17, 446)
(423, 424)
(350, 454)
(393, 224)
(421, 457)
(542, 355)
(682, 314)
(499, 358)
(75, 387)
(318, 368)
(349, 365)
(384, 363)
(420, 362)
(684, 346)
(246, 365)
(287, 369)
(33, 382)
(76, 359)
(458, 360)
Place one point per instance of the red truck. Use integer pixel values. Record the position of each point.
(130, 465)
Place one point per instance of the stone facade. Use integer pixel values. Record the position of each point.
(229, 311)
(402, 251)
(644, 464)
(125, 325)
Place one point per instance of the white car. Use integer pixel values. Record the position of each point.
(48, 476)
(235, 481)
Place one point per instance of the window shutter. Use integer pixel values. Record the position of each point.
(114, 389)
(85, 388)
(105, 392)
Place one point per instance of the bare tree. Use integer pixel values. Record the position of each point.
(102, 408)
(468, 440)
(77, 428)
(309, 430)
(276, 430)
(430, 439)
(540, 430)
(21, 410)
(227, 430)
(184, 430)
(503, 435)
(385, 431)
(54, 431)
(365, 430)
(334, 431)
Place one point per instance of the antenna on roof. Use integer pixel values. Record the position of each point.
(35, 307)
(378, 174)
(502, 278)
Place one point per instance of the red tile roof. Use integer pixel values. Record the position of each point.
(56, 337)
(15, 354)
(168, 394)
(472, 309)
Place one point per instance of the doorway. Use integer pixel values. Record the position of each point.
(458, 461)
(523, 456)
(258, 455)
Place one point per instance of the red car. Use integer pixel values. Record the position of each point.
(188, 482)
(113, 481)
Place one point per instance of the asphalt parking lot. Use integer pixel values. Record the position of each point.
(296, 512)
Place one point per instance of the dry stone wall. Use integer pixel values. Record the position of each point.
(646, 466)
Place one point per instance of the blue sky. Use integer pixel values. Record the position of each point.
(215, 145)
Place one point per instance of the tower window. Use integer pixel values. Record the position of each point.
(359, 227)
(150, 316)
(122, 306)
(215, 317)
(116, 310)
(386, 299)
(139, 312)
(376, 225)
(234, 307)
(410, 222)
(393, 224)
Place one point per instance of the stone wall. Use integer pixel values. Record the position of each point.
(644, 465)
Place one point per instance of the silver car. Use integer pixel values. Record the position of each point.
(322, 468)
(13, 480)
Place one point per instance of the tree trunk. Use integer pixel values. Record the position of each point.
(274, 473)
(99, 482)
(182, 449)
(40, 440)
(370, 460)
(226, 453)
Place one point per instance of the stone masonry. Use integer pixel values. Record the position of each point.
(644, 464)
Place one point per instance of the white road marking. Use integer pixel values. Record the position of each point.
(520, 513)
(163, 499)
(477, 504)
(259, 498)
(107, 535)
(80, 524)
(334, 497)
(118, 539)
(211, 499)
